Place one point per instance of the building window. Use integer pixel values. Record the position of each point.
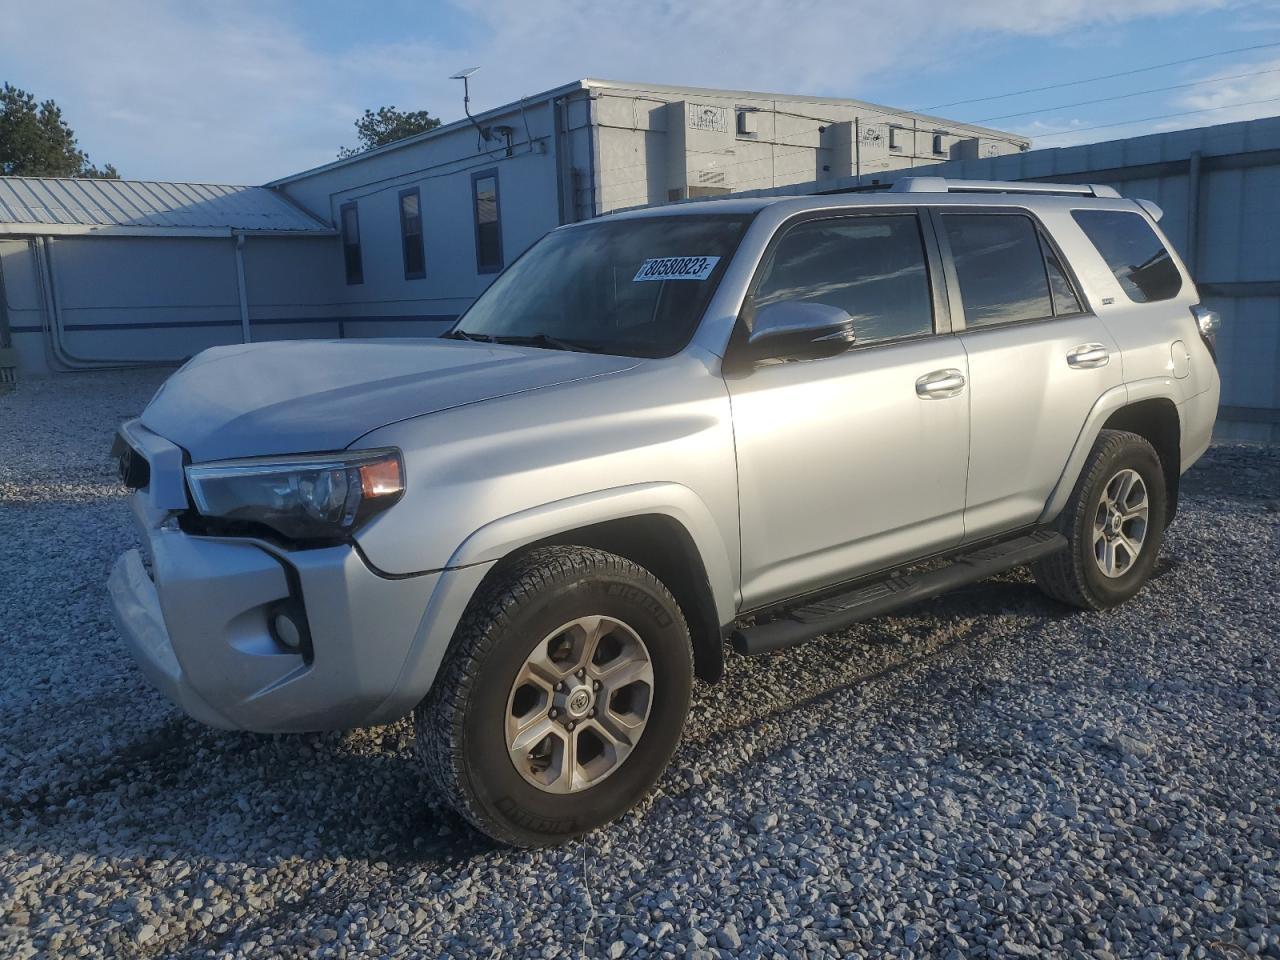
(484, 193)
(351, 243)
(415, 259)
(895, 138)
(937, 144)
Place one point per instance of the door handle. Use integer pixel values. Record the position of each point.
(1089, 355)
(940, 384)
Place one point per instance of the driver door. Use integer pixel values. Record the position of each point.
(855, 462)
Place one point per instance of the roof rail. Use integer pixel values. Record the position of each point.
(943, 185)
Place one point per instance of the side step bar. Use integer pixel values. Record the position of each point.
(894, 591)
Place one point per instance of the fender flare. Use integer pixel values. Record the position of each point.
(500, 537)
(479, 552)
(1118, 397)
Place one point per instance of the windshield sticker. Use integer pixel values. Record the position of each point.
(676, 268)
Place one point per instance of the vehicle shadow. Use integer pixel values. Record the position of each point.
(188, 792)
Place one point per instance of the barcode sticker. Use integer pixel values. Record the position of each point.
(676, 268)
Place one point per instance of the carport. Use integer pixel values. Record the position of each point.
(97, 273)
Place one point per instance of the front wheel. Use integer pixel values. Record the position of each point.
(1114, 525)
(561, 698)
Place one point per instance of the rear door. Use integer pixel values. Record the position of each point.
(853, 462)
(1038, 360)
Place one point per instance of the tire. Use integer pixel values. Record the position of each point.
(1076, 575)
(494, 677)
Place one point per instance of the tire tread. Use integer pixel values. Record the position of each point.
(438, 720)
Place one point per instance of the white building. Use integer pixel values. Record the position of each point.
(398, 241)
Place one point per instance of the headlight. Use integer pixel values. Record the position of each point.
(308, 497)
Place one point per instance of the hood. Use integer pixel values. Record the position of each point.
(316, 395)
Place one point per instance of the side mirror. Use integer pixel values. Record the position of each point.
(799, 330)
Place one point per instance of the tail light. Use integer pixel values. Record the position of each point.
(1208, 321)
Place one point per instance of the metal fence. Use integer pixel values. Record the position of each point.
(1220, 190)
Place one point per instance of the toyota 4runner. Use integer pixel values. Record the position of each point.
(748, 420)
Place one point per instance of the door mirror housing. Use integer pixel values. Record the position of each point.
(799, 330)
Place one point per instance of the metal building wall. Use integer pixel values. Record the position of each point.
(1219, 187)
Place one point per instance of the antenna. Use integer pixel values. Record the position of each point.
(465, 75)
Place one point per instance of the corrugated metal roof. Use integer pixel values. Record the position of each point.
(40, 205)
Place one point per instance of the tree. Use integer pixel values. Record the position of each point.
(36, 142)
(388, 125)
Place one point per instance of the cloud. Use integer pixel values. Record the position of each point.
(1239, 91)
(244, 92)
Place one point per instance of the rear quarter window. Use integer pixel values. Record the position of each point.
(1134, 253)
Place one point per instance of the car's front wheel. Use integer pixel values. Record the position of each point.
(1114, 525)
(561, 698)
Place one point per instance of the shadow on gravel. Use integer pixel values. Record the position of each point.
(189, 792)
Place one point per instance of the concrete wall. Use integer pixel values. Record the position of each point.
(653, 141)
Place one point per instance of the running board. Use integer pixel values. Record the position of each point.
(896, 590)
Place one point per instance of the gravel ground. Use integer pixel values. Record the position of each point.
(989, 775)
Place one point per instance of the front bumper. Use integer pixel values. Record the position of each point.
(198, 627)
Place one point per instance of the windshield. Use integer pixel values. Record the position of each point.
(633, 287)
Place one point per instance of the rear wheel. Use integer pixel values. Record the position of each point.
(561, 698)
(1114, 525)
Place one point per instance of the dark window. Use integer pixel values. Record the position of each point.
(1065, 300)
(1133, 252)
(484, 191)
(999, 266)
(415, 259)
(873, 268)
(351, 243)
(937, 144)
(587, 285)
(895, 138)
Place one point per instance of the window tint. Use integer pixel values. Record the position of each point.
(1000, 268)
(1065, 300)
(484, 188)
(871, 267)
(351, 258)
(415, 261)
(1133, 252)
(591, 285)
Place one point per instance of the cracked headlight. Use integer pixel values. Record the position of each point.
(305, 497)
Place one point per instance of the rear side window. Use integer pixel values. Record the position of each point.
(1134, 253)
(873, 268)
(1000, 266)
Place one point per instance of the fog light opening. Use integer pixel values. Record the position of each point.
(289, 628)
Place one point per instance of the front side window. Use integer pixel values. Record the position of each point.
(1134, 253)
(872, 267)
(351, 257)
(415, 260)
(1000, 267)
(484, 194)
(633, 287)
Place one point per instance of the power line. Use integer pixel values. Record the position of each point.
(1126, 96)
(1107, 76)
(1163, 116)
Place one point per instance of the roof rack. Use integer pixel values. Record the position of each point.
(943, 185)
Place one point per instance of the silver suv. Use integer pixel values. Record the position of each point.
(755, 420)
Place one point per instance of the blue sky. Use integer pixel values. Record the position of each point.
(242, 92)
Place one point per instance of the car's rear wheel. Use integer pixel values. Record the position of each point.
(561, 698)
(1114, 525)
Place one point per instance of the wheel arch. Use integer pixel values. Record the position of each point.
(1156, 421)
(1144, 407)
(664, 527)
